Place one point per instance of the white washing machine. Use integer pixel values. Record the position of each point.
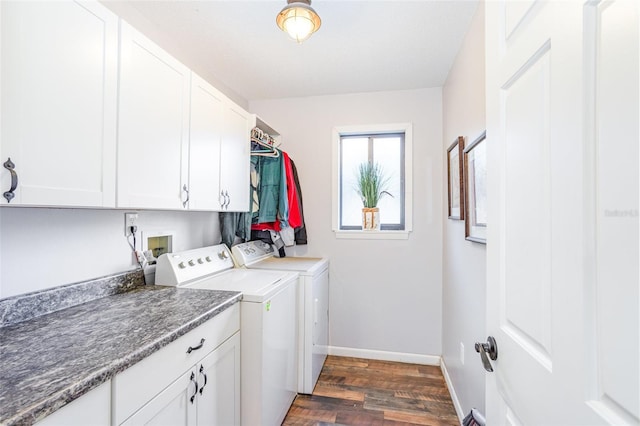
(313, 303)
(268, 329)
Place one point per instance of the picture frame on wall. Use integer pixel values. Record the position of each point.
(455, 179)
(475, 189)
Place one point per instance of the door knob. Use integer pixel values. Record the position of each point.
(490, 348)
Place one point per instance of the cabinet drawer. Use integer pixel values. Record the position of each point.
(138, 384)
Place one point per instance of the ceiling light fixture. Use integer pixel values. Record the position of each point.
(298, 19)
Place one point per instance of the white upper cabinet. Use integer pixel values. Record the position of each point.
(58, 110)
(153, 125)
(219, 151)
(235, 154)
(207, 111)
(77, 138)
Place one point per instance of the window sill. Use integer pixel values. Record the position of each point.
(372, 235)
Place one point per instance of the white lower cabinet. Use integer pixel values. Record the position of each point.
(208, 394)
(178, 386)
(93, 408)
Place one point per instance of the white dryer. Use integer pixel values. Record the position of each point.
(268, 315)
(313, 303)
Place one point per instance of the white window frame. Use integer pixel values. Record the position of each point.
(407, 129)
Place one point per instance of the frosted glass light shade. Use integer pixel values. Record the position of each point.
(299, 20)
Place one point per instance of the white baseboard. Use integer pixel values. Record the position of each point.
(452, 391)
(385, 356)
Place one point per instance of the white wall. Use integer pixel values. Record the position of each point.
(41, 248)
(385, 295)
(464, 261)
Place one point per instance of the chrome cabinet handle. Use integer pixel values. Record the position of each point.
(8, 195)
(186, 190)
(193, 379)
(490, 348)
(205, 378)
(222, 199)
(195, 348)
(228, 200)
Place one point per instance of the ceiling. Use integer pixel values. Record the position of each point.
(362, 46)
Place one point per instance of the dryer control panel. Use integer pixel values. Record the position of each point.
(251, 252)
(183, 267)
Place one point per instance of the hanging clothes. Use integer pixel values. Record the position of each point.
(273, 206)
(277, 213)
(295, 219)
(300, 232)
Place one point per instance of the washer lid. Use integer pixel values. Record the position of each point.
(256, 286)
(304, 265)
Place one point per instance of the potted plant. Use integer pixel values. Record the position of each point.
(371, 185)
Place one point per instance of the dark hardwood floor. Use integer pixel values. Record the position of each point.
(356, 391)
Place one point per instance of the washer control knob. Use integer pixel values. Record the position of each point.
(181, 265)
(200, 261)
(191, 262)
(208, 258)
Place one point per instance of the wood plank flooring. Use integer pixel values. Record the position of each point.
(356, 391)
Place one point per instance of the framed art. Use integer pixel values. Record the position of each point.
(455, 179)
(475, 190)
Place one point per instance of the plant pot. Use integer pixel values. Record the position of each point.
(370, 219)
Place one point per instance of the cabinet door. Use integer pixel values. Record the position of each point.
(175, 405)
(219, 394)
(153, 125)
(207, 109)
(59, 91)
(235, 154)
(92, 408)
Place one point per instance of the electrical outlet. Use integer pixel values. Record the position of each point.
(130, 219)
(461, 353)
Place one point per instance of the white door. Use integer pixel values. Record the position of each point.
(562, 249)
(153, 127)
(59, 90)
(235, 154)
(205, 134)
(219, 381)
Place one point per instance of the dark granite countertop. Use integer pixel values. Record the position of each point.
(50, 360)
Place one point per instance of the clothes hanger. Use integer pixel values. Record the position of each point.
(263, 140)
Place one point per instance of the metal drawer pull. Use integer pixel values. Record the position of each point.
(195, 348)
(186, 190)
(14, 179)
(205, 378)
(193, 376)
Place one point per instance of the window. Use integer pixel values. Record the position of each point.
(389, 147)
